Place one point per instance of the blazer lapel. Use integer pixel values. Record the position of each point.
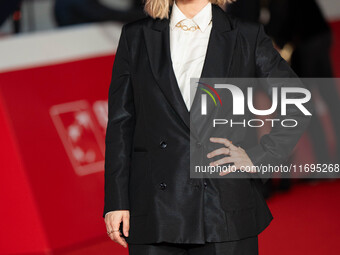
(157, 39)
(216, 65)
(217, 62)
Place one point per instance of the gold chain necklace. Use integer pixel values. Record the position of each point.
(186, 28)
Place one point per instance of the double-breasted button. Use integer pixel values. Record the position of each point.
(205, 184)
(163, 144)
(198, 145)
(162, 186)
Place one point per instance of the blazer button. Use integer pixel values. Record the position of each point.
(205, 184)
(163, 144)
(199, 145)
(162, 186)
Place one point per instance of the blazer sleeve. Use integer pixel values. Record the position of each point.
(119, 131)
(274, 148)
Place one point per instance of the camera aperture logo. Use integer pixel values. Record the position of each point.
(239, 101)
(204, 96)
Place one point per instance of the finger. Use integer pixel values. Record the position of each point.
(237, 165)
(108, 228)
(240, 148)
(115, 224)
(119, 239)
(111, 236)
(222, 161)
(126, 225)
(220, 151)
(114, 228)
(223, 141)
(116, 234)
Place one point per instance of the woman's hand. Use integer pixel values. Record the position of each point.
(236, 155)
(113, 220)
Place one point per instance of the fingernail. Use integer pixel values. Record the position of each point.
(208, 155)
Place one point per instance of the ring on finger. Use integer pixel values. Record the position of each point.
(112, 231)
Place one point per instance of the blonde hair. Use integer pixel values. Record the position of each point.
(160, 8)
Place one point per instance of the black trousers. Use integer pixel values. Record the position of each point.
(247, 246)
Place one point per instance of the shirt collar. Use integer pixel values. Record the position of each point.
(202, 19)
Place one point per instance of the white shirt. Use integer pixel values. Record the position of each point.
(188, 48)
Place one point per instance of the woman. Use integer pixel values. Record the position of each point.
(150, 200)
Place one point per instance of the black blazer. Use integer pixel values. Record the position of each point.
(148, 134)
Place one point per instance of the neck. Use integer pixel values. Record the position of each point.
(191, 7)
